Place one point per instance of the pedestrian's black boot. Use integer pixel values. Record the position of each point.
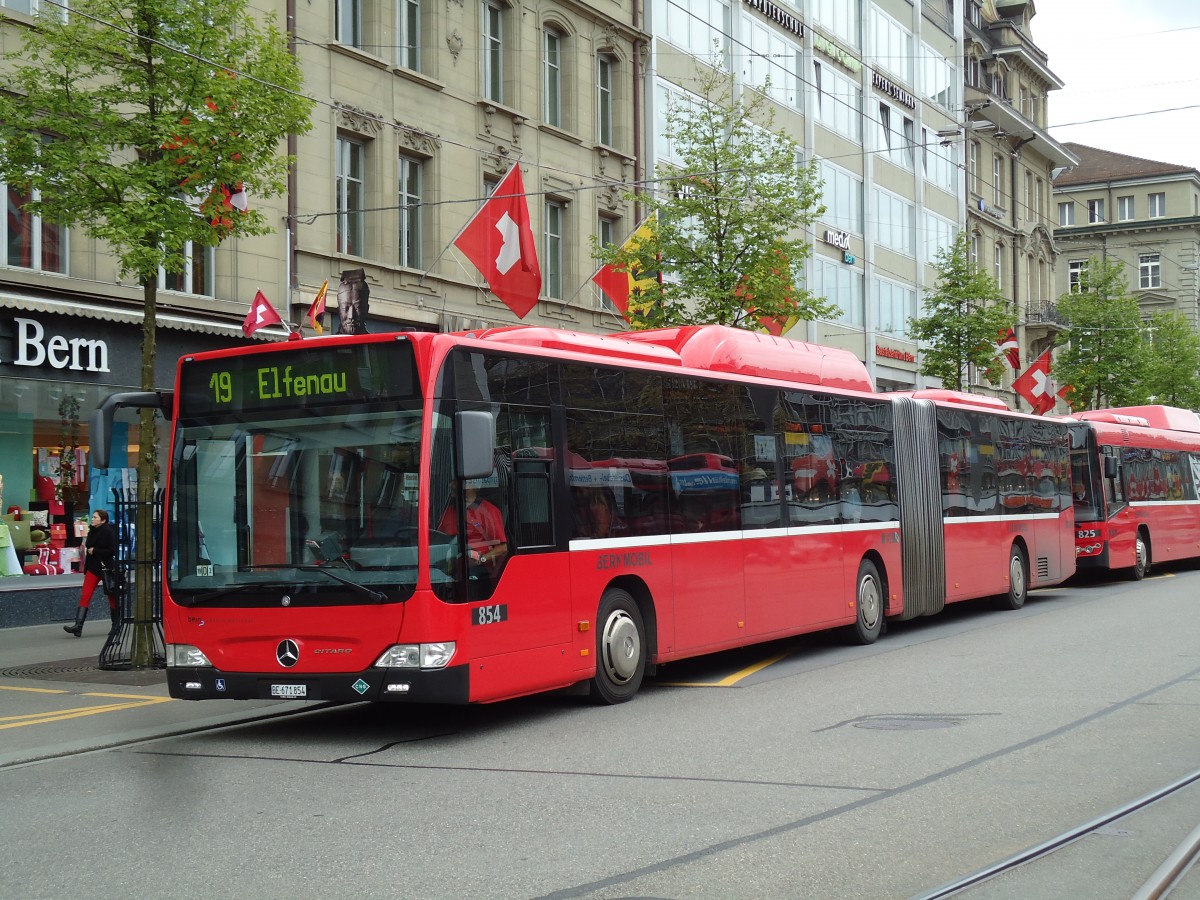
(77, 628)
(116, 619)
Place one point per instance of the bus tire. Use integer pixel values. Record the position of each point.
(620, 648)
(1141, 565)
(869, 601)
(1018, 580)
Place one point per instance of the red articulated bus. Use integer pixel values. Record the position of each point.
(1135, 472)
(628, 501)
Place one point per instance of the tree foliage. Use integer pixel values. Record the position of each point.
(126, 119)
(1173, 363)
(726, 215)
(962, 322)
(1103, 355)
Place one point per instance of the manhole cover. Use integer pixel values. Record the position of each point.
(85, 671)
(906, 723)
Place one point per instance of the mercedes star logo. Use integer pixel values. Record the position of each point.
(288, 653)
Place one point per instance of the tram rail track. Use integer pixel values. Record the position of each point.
(1157, 886)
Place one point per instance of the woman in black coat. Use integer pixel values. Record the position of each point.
(99, 550)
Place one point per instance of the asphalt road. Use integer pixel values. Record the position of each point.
(796, 769)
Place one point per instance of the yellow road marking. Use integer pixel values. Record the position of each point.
(32, 690)
(730, 680)
(131, 701)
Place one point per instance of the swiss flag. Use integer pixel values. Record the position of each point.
(261, 314)
(499, 241)
(1036, 386)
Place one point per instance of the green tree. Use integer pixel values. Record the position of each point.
(1173, 363)
(962, 322)
(125, 119)
(725, 218)
(1103, 353)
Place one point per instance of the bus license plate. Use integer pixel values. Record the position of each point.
(289, 690)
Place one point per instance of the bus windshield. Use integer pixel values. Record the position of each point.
(294, 501)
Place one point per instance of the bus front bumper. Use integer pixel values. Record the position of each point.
(448, 685)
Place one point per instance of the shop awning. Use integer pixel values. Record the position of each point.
(133, 316)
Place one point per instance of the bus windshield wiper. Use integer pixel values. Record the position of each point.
(377, 596)
(223, 592)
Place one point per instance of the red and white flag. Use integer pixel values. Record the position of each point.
(499, 241)
(1037, 387)
(261, 314)
(1012, 350)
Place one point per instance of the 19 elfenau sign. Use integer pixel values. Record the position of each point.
(34, 348)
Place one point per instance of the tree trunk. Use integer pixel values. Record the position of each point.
(147, 469)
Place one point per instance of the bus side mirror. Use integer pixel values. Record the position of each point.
(1110, 467)
(100, 424)
(475, 433)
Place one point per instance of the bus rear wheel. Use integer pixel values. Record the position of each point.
(869, 597)
(1141, 563)
(620, 648)
(1018, 580)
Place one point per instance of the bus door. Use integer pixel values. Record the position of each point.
(499, 564)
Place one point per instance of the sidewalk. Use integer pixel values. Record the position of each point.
(54, 701)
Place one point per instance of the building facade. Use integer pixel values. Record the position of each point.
(1011, 161)
(1142, 212)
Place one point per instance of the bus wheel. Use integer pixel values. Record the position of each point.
(1018, 581)
(1142, 558)
(620, 648)
(869, 599)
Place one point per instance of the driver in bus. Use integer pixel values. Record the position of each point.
(487, 544)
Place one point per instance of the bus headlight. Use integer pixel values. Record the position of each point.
(417, 656)
(185, 655)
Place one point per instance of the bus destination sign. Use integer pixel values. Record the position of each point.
(300, 378)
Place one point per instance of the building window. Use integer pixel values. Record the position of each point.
(895, 222)
(552, 76)
(938, 235)
(1158, 206)
(493, 52)
(998, 180)
(1029, 196)
(896, 137)
(350, 196)
(555, 213)
(196, 277)
(26, 241)
(973, 253)
(1125, 209)
(1149, 271)
(839, 102)
(842, 196)
(893, 45)
(349, 22)
(408, 51)
(1039, 198)
(1075, 274)
(839, 284)
(841, 19)
(772, 57)
(998, 268)
(701, 27)
(973, 166)
(410, 212)
(939, 78)
(606, 236)
(1095, 211)
(604, 99)
(1066, 214)
(894, 305)
(37, 8)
